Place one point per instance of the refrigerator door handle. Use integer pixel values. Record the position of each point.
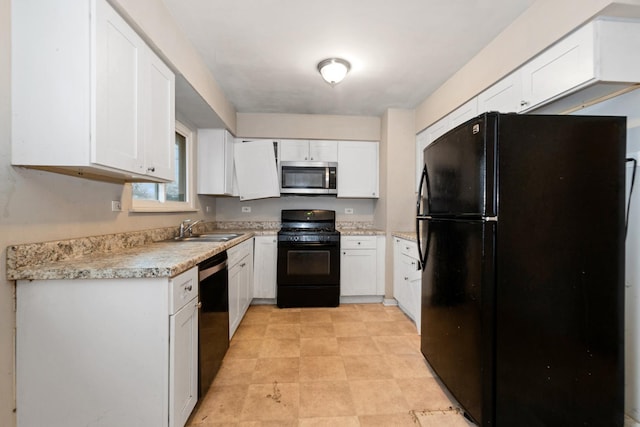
(420, 187)
(419, 215)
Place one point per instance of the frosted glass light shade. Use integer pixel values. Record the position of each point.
(333, 70)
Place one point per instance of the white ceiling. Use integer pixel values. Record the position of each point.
(264, 53)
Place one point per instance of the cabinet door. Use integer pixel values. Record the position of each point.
(562, 67)
(119, 89)
(358, 272)
(246, 283)
(323, 151)
(215, 162)
(235, 279)
(358, 169)
(256, 170)
(294, 150)
(265, 263)
(159, 138)
(504, 96)
(183, 363)
(463, 113)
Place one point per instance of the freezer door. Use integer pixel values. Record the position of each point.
(459, 176)
(457, 310)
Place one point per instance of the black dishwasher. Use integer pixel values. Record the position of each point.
(213, 336)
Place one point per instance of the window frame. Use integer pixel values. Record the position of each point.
(138, 205)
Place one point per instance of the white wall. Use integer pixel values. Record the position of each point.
(628, 105)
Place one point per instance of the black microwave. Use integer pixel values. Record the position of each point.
(308, 177)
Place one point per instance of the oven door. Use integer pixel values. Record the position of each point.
(304, 263)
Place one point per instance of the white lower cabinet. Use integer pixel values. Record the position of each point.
(407, 278)
(108, 352)
(240, 282)
(265, 260)
(361, 269)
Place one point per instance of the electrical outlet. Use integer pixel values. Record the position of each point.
(348, 211)
(116, 206)
(207, 209)
(246, 209)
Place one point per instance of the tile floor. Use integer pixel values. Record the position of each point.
(353, 365)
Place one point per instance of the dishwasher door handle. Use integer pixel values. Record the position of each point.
(211, 270)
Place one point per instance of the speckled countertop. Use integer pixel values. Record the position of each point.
(408, 235)
(135, 254)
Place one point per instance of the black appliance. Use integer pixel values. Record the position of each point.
(520, 225)
(213, 333)
(308, 270)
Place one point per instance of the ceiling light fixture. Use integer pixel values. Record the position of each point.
(333, 70)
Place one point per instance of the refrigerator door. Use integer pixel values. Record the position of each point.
(459, 176)
(457, 310)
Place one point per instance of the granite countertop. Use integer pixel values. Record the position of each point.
(360, 231)
(147, 253)
(408, 235)
(157, 259)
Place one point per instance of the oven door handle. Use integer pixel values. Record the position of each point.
(302, 245)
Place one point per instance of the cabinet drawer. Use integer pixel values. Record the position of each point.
(182, 289)
(409, 248)
(358, 242)
(239, 251)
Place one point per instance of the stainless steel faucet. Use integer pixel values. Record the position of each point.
(186, 228)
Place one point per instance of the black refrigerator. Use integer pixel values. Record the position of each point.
(520, 222)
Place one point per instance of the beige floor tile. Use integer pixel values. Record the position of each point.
(250, 332)
(278, 369)
(350, 329)
(354, 346)
(352, 365)
(408, 366)
(313, 330)
(222, 404)
(330, 422)
(271, 402)
(322, 346)
(396, 344)
(449, 418)
(320, 399)
(345, 316)
(235, 371)
(280, 348)
(315, 316)
(390, 327)
(322, 368)
(367, 367)
(283, 331)
(256, 317)
(286, 316)
(375, 397)
(402, 419)
(424, 394)
(243, 349)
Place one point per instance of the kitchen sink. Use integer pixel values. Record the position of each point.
(208, 237)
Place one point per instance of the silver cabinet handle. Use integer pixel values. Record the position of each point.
(151, 169)
(524, 103)
(243, 264)
(188, 288)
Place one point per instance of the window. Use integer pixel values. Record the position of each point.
(174, 196)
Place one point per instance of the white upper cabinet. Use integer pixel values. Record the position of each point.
(504, 96)
(358, 169)
(300, 150)
(89, 97)
(215, 162)
(597, 60)
(256, 169)
(466, 111)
